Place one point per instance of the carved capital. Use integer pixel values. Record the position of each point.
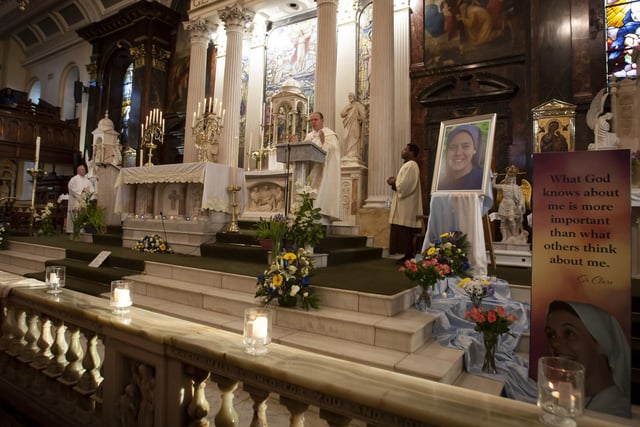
(138, 54)
(235, 16)
(199, 30)
(159, 58)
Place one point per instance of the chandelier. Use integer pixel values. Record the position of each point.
(22, 4)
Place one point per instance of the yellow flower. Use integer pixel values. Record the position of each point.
(290, 256)
(447, 234)
(162, 247)
(431, 251)
(277, 280)
(464, 282)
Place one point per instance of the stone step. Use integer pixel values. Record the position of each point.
(231, 294)
(21, 262)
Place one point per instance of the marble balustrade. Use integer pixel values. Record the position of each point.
(68, 360)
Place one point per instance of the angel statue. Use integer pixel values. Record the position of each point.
(513, 201)
(598, 120)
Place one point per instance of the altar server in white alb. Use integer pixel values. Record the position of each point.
(406, 206)
(325, 178)
(76, 184)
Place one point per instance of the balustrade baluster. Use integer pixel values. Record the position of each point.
(227, 415)
(19, 329)
(198, 409)
(8, 316)
(259, 397)
(73, 370)
(333, 419)
(59, 348)
(30, 349)
(91, 377)
(296, 411)
(44, 344)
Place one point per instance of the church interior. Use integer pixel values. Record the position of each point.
(202, 123)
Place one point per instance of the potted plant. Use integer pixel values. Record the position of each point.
(88, 215)
(274, 229)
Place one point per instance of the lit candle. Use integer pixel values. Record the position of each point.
(146, 123)
(211, 104)
(258, 328)
(193, 122)
(198, 108)
(37, 153)
(121, 297)
(54, 279)
(141, 156)
(162, 124)
(142, 130)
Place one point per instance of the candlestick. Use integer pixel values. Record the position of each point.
(141, 156)
(35, 166)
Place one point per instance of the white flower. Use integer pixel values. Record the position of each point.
(294, 290)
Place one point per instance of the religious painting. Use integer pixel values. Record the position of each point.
(463, 158)
(554, 127)
(458, 32)
(291, 54)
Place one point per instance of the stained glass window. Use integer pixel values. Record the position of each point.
(623, 37)
(127, 86)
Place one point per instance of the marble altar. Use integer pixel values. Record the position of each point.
(188, 202)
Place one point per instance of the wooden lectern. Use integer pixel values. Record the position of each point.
(299, 153)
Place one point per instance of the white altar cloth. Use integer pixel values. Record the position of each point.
(214, 177)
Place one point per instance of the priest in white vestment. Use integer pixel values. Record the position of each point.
(325, 177)
(76, 185)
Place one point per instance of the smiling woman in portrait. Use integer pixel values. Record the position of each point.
(461, 169)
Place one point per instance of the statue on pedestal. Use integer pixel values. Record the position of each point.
(513, 201)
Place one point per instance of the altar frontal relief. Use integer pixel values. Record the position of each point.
(581, 235)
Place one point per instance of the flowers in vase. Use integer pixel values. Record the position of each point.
(44, 217)
(287, 279)
(306, 228)
(87, 213)
(477, 289)
(152, 244)
(451, 248)
(492, 321)
(425, 271)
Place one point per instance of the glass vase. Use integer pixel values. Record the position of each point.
(425, 295)
(490, 344)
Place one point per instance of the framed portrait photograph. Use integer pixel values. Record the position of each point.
(463, 159)
(554, 127)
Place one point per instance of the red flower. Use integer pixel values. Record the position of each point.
(491, 316)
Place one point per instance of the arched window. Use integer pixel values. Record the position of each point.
(127, 86)
(623, 38)
(34, 92)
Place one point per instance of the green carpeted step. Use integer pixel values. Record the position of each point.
(333, 242)
(108, 239)
(345, 256)
(242, 237)
(234, 251)
(112, 260)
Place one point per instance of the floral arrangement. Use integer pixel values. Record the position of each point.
(274, 228)
(494, 321)
(287, 280)
(4, 232)
(425, 271)
(153, 244)
(306, 228)
(477, 289)
(451, 248)
(87, 213)
(46, 221)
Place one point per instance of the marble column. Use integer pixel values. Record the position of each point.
(325, 89)
(255, 104)
(199, 31)
(402, 55)
(381, 119)
(235, 18)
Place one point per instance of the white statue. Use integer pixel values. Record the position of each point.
(353, 118)
(598, 121)
(513, 200)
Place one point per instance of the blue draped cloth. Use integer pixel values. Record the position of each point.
(449, 305)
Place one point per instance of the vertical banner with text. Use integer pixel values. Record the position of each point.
(581, 236)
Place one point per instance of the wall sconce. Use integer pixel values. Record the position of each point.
(257, 330)
(121, 296)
